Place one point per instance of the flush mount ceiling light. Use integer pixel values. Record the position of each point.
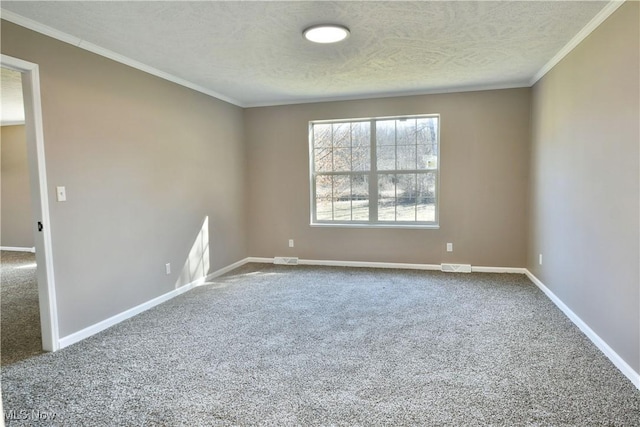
(326, 33)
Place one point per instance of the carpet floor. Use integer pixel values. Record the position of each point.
(283, 345)
(20, 335)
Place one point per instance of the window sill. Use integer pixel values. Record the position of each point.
(397, 226)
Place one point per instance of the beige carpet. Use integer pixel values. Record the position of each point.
(284, 345)
(19, 313)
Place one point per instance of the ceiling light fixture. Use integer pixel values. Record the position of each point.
(326, 33)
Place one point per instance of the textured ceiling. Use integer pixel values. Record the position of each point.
(253, 52)
(12, 111)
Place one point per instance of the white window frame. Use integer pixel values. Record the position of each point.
(373, 179)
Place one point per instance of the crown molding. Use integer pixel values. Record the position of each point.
(606, 11)
(11, 122)
(83, 44)
(356, 97)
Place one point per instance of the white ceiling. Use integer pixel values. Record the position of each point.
(253, 53)
(12, 111)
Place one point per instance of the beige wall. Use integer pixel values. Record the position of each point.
(15, 218)
(144, 162)
(147, 162)
(585, 182)
(483, 182)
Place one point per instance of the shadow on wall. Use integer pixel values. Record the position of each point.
(197, 264)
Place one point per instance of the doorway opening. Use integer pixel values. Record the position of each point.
(20, 265)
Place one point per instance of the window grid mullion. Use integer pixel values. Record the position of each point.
(373, 174)
(415, 179)
(436, 196)
(351, 168)
(312, 151)
(395, 177)
(333, 184)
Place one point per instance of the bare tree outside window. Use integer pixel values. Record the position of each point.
(375, 171)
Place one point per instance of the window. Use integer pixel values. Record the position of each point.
(375, 172)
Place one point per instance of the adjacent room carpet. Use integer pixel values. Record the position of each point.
(295, 345)
(19, 310)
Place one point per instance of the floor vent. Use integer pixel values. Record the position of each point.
(285, 260)
(456, 268)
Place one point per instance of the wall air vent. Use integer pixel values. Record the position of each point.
(456, 268)
(285, 260)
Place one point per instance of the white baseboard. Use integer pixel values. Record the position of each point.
(367, 264)
(260, 260)
(101, 326)
(510, 270)
(399, 265)
(595, 339)
(225, 270)
(17, 249)
(107, 323)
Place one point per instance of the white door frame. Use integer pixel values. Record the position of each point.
(39, 198)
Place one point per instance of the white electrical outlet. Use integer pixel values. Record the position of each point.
(449, 247)
(290, 243)
(540, 259)
(167, 267)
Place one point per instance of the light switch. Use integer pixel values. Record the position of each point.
(61, 193)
